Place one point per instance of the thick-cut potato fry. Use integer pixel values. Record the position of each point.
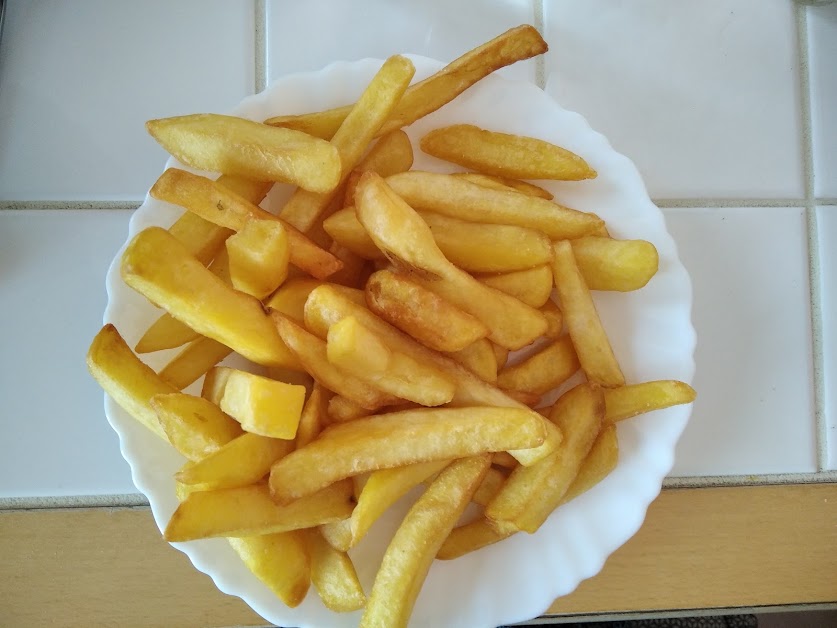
(526, 398)
(214, 202)
(479, 358)
(131, 383)
(162, 270)
(346, 230)
(384, 488)
(602, 459)
(470, 537)
(214, 383)
(242, 461)
(504, 154)
(356, 349)
(628, 401)
(608, 264)
(425, 97)
(194, 360)
(408, 242)
(532, 286)
(489, 487)
(554, 318)
(544, 371)
(505, 459)
(313, 354)
(290, 298)
(391, 154)
(279, 560)
(503, 183)
(249, 510)
(531, 493)
(165, 333)
(390, 440)
(418, 539)
(194, 426)
(289, 376)
(456, 197)
(338, 534)
(421, 313)
(355, 268)
(259, 256)
(236, 146)
(334, 576)
(501, 354)
(263, 405)
(351, 140)
(313, 417)
(341, 409)
(583, 324)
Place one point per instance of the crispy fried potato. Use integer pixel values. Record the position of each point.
(355, 268)
(351, 140)
(597, 465)
(425, 97)
(554, 319)
(236, 146)
(505, 155)
(504, 183)
(608, 264)
(469, 538)
(479, 358)
(313, 417)
(162, 270)
(125, 378)
(290, 298)
(194, 360)
(544, 371)
(532, 286)
(390, 440)
(338, 534)
(262, 405)
(214, 384)
(279, 560)
(334, 576)
(418, 539)
(194, 426)
(259, 256)
(505, 459)
(341, 409)
(165, 333)
(489, 487)
(458, 198)
(391, 154)
(628, 401)
(501, 354)
(346, 230)
(408, 242)
(421, 313)
(249, 511)
(585, 328)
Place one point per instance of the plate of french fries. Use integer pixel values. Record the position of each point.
(400, 342)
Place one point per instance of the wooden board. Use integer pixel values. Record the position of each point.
(699, 548)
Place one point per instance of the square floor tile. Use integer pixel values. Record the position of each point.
(822, 62)
(827, 228)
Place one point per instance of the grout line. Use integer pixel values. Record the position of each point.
(712, 203)
(709, 481)
(825, 201)
(261, 45)
(805, 100)
(540, 61)
(11, 205)
(128, 500)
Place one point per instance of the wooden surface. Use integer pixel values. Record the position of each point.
(699, 548)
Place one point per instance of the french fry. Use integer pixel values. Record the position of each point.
(469, 538)
(355, 268)
(259, 256)
(262, 405)
(127, 380)
(543, 371)
(628, 401)
(489, 487)
(554, 318)
(236, 146)
(418, 539)
(421, 313)
(531, 286)
(244, 460)
(214, 384)
(602, 459)
(505, 459)
(353, 137)
(408, 242)
(425, 97)
(194, 360)
(280, 560)
(249, 511)
(501, 354)
(313, 417)
(504, 154)
(290, 298)
(161, 269)
(346, 230)
(479, 358)
(194, 426)
(341, 409)
(289, 376)
(504, 183)
(608, 264)
(390, 440)
(338, 534)
(583, 324)
(391, 154)
(458, 198)
(334, 576)
(384, 488)
(165, 333)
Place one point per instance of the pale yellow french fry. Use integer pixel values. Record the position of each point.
(338, 534)
(608, 264)
(194, 426)
(583, 324)
(214, 383)
(312, 420)
(354, 135)
(469, 538)
(532, 286)
(543, 371)
(194, 360)
(554, 319)
(504, 183)
(342, 409)
(346, 230)
(165, 333)
(334, 576)
(290, 298)
(391, 154)
(279, 560)
(602, 459)
(355, 268)
(259, 256)
(418, 539)
(263, 405)
(489, 487)
(480, 359)
(628, 401)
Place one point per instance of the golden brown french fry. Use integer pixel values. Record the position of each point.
(249, 511)
(526, 398)
(334, 576)
(418, 539)
(597, 465)
(161, 269)
(489, 487)
(194, 360)
(262, 405)
(456, 197)
(408, 242)
(384, 488)
(583, 324)
(504, 154)
(338, 534)
(505, 459)
(391, 154)
(259, 255)
(421, 313)
(131, 383)
(501, 354)
(531, 493)
(290, 298)
(608, 264)
(628, 401)
(469, 538)
(543, 371)
(312, 420)
(425, 97)
(194, 426)
(395, 439)
(244, 460)
(279, 560)
(554, 319)
(214, 202)
(236, 146)
(532, 286)
(346, 230)
(165, 333)
(504, 183)
(214, 383)
(479, 358)
(354, 135)
(341, 409)
(354, 269)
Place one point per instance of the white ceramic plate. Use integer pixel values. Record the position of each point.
(650, 329)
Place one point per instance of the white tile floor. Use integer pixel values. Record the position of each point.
(827, 227)
(822, 46)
